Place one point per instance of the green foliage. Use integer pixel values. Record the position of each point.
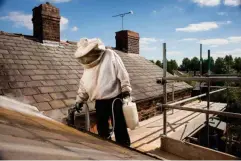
(185, 64)
(152, 61)
(237, 64)
(205, 65)
(158, 63)
(195, 64)
(171, 65)
(220, 66)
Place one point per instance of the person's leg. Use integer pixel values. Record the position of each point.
(121, 133)
(102, 115)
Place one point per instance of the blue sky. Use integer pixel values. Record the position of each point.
(182, 24)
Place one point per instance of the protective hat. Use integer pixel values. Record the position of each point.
(86, 45)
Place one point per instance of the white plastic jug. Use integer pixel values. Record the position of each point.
(130, 113)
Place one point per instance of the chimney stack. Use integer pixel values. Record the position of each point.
(46, 23)
(127, 41)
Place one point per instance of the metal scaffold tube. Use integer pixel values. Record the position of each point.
(195, 97)
(227, 114)
(212, 79)
(164, 88)
(208, 97)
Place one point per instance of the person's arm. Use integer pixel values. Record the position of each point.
(122, 74)
(82, 95)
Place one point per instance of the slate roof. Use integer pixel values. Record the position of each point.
(48, 76)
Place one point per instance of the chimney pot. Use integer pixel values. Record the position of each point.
(127, 41)
(46, 22)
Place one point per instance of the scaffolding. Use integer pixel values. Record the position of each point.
(208, 79)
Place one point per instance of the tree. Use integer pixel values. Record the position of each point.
(171, 65)
(194, 65)
(237, 64)
(186, 64)
(205, 65)
(158, 63)
(152, 61)
(220, 66)
(228, 61)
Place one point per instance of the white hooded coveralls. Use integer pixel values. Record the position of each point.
(106, 80)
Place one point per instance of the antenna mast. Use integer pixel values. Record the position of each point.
(122, 17)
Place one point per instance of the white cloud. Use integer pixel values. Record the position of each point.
(55, 1)
(63, 23)
(154, 11)
(209, 3)
(214, 41)
(149, 43)
(235, 39)
(25, 20)
(217, 42)
(202, 26)
(189, 39)
(224, 22)
(147, 40)
(232, 2)
(234, 53)
(75, 28)
(222, 13)
(19, 19)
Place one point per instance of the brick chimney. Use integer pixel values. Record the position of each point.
(46, 22)
(127, 41)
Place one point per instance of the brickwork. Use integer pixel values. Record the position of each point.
(127, 41)
(148, 109)
(46, 22)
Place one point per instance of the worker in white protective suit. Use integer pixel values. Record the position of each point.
(105, 78)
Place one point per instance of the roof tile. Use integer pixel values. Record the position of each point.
(4, 85)
(42, 67)
(43, 106)
(60, 82)
(37, 77)
(39, 71)
(42, 98)
(71, 94)
(2, 51)
(30, 66)
(48, 83)
(17, 84)
(60, 89)
(57, 96)
(45, 62)
(33, 84)
(23, 57)
(69, 102)
(33, 62)
(57, 104)
(29, 91)
(46, 89)
(20, 61)
(72, 81)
